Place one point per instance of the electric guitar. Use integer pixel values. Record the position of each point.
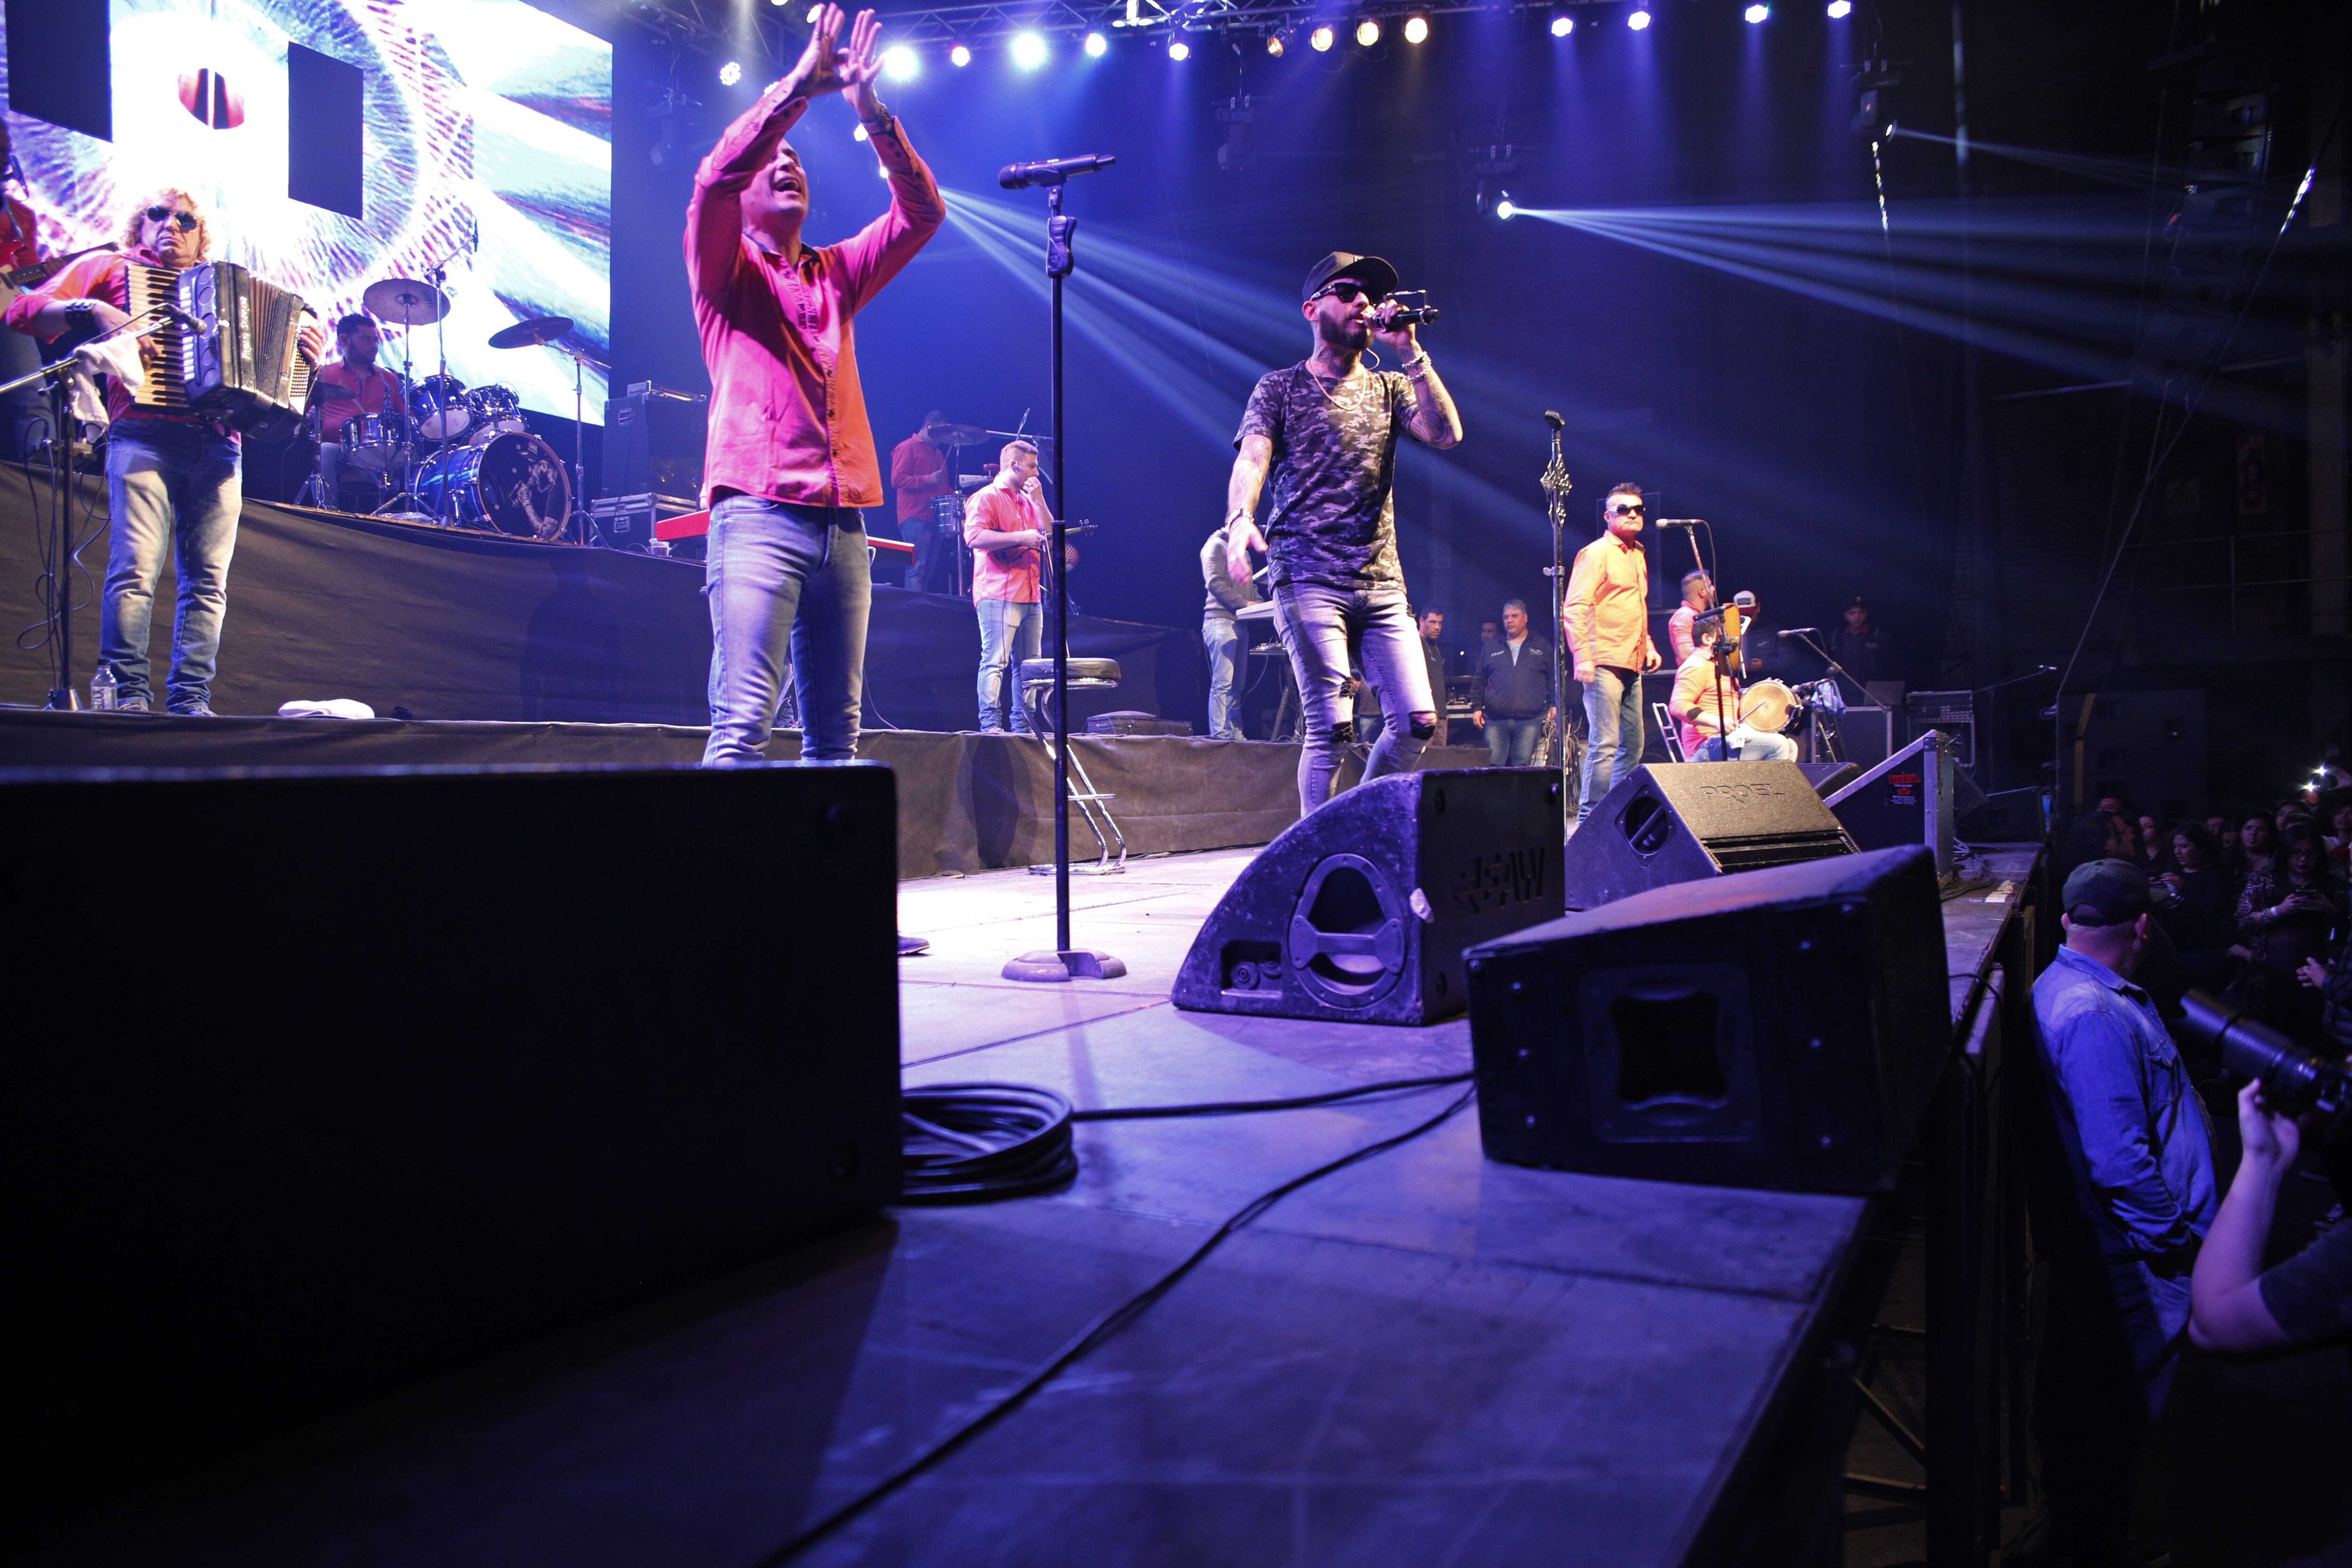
(40, 272)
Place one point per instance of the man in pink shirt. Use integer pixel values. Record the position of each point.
(346, 387)
(1608, 615)
(791, 457)
(1007, 526)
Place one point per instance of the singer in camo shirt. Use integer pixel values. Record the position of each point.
(1325, 431)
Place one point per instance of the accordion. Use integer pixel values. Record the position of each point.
(245, 369)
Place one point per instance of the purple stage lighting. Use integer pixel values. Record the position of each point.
(1639, 20)
(1561, 27)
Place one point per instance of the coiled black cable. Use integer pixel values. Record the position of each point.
(974, 1143)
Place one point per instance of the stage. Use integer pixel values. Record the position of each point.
(1424, 1357)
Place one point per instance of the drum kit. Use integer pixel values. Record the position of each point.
(462, 457)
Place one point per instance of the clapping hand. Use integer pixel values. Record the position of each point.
(826, 67)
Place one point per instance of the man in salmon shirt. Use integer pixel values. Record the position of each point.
(791, 457)
(1006, 527)
(1608, 616)
(174, 481)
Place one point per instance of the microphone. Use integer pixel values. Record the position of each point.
(1404, 315)
(1679, 522)
(1552, 418)
(183, 321)
(1793, 633)
(1052, 171)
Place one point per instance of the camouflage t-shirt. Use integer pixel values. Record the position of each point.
(1333, 516)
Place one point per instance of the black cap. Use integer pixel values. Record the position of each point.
(2114, 891)
(1379, 278)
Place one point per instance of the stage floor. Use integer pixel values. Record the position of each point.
(1425, 1358)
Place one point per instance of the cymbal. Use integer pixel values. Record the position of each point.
(946, 434)
(532, 333)
(406, 301)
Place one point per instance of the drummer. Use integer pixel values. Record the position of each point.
(346, 387)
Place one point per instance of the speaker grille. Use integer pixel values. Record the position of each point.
(1754, 854)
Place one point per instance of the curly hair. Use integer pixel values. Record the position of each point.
(134, 222)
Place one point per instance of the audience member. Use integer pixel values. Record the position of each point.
(2155, 846)
(2284, 918)
(2134, 1139)
(2202, 916)
(2257, 844)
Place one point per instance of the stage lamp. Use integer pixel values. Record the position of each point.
(815, 12)
(1178, 49)
(1274, 45)
(1029, 50)
(958, 56)
(1319, 40)
(900, 63)
(1097, 46)
(1639, 20)
(859, 134)
(1561, 27)
(1757, 13)
(1840, 9)
(731, 73)
(1505, 209)
(1416, 29)
(1368, 32)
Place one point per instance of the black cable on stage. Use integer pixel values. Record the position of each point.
(1093, 1335)
(1244, 1107)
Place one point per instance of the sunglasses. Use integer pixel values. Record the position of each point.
(1346, 292)
(1637, 509)
(186, 220)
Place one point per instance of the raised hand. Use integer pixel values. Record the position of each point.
(818, 71)
(860, 64)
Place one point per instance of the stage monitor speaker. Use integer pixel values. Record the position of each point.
(1359, 911)
(1828, 778)
(320, 1083)
(1680, 822)
(1781, 1028)
(1866, 735)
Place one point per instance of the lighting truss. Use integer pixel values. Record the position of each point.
(990, 20)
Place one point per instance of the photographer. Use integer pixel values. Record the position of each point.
(2235, 1305)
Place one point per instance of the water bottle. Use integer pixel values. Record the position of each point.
(102, 690)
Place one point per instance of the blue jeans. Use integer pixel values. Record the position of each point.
(1612, 749)
(1315, 622)
(1223, 640)
(1009, 631)
(1748, 746)
(789, 587)
(1511, 742)
(179, 485)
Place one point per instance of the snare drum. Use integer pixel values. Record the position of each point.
(438, 403)
(370, 441)
(497, 411)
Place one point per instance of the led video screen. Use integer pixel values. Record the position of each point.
(483, 145)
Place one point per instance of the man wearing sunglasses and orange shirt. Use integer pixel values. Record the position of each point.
(173, 481)
(1608, 616)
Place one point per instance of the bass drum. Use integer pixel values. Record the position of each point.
(514, 484)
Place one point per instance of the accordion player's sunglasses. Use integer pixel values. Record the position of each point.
(185, 219)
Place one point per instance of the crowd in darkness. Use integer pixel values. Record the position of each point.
(2250, 903)
(2164, 1244)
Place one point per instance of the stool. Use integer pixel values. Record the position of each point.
(1036, 687)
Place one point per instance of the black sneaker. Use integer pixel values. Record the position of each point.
(913, 946)
(195, 710)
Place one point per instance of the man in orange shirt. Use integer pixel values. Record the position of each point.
(1007, 528)
(1705, 703)
(347, 386)
(1698, 598)
(918, 476)
(1608, 616)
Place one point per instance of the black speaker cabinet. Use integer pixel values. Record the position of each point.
(320, 1082)
(1678, 822)
(1359, 911)
(1780, 1029)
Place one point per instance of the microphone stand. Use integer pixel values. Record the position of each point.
(1556, 485)
(1065, 962)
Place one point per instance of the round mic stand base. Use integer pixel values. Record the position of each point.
(1072, 963)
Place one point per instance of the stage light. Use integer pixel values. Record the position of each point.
(1638, 20)
(882, 171)
(815, 12)
(1840, 9)
(731, 73)
(1416, 29)
(900, 63)
(1274, 45)
(1319, 40)
(779, 2)
(1029, 50)
(1505, 209)
(958, 56)
(1561, 27)
(1757, 13)
(1368, 32)
(1178, 49)
(1097, 46)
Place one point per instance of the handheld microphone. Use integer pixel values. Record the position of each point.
(1419, 315)
(1052, 171)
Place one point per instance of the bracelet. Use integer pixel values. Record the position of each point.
(1418, 362)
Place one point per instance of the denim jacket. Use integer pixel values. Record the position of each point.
(2133, 1130)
